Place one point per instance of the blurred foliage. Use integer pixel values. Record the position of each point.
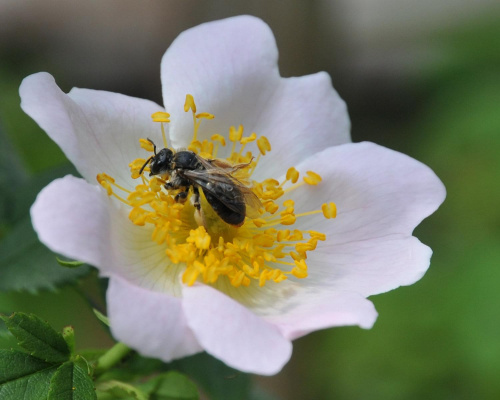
(29, 161)
(438, 339)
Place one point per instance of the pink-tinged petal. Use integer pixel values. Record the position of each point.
(230, 67)
(313, 311)
(381, 196)
(371, 266)
(72, 218)
(304, 116)
(232, 333)
(224, 65)
(150, 322)
(97, 130)
(80, 221)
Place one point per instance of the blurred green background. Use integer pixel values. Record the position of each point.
(419, 77)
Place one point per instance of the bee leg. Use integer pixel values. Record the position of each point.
(181, 197)
(198, 213)
(196, 198)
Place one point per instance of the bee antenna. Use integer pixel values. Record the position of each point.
(146, 163)
(154, 145)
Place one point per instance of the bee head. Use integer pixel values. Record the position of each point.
(162, 162)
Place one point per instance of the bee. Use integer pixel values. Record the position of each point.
(229, 198)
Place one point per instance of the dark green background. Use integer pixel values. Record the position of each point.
(438, 339)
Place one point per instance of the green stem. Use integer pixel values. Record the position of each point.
(113, 356)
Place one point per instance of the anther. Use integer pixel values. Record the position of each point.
(189, 104)
(292, 175)
(235, 134)
(329, 210)
(312, 178)
(263, 145)
(205, 115)
(160, 116)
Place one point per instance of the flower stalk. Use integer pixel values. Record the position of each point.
(112, 357)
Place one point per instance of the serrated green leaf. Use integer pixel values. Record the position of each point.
(83, 364)
(38, 337)
(26, 264)
(68, 334)
(71, 382)
(173, 385)
(121, 390)
(23, 376)
(101, 317)
(69, 264)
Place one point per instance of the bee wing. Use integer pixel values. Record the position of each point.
(215, 180)
(251, 201)
(221, 165)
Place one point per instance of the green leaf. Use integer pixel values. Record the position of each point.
(23, 376)
(71, 382)
(68, 334)
(172, 385)
(101, 317)
(38, 337)
(26, 264)
(69, 264)
(7, 340)
(120, 390)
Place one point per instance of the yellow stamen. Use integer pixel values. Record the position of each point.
(146, 145)
(235, 134)
(219, 138)
(312, 178)
(161, 116)
(189, 104)
(205, 115)
(292, 175)
(329, 210)
(264, 249)
(263, 145)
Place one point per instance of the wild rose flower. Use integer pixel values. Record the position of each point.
(181, 280)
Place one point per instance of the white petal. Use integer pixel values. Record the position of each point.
(72, 218)
(230, 67)
(232, 333)
(369, 267)
(151, 323)
(381, 196)
(98, 131)
(80, 221)
(305, 116)
(314, 311)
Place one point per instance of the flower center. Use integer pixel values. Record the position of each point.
(190, 206)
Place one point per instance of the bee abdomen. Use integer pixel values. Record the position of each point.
(234, 215)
